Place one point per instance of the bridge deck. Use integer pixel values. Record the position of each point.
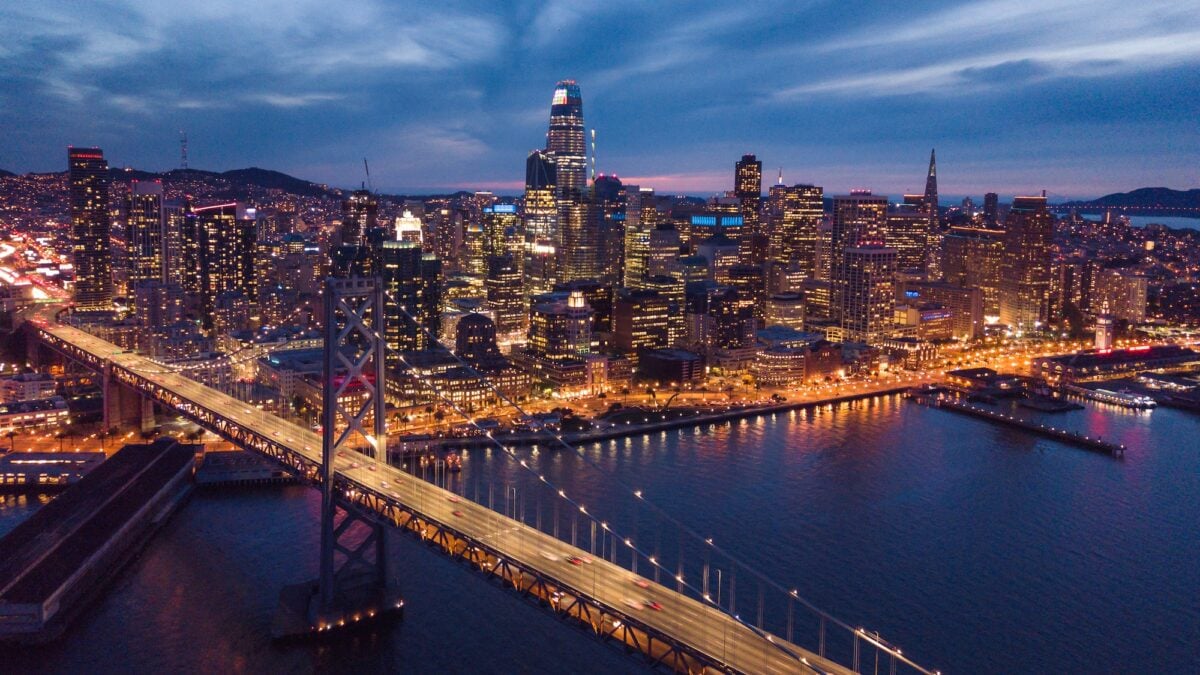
(726, 643)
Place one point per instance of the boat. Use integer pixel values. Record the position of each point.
(1124, 397)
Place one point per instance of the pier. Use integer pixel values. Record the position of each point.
(936, 399)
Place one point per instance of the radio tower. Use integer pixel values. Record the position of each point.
(182, 149)
(593, 155)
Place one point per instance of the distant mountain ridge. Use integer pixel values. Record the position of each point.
(1149, 200)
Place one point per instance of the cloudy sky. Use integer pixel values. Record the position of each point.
(1078, 98)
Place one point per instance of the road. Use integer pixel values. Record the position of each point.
(687, 620)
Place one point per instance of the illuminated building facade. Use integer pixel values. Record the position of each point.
(540, 265)
(144, 227)
(1025, 270)
(566, 140)
(796, 213)
(359, 214)
(642, 319)
(91, 248)
(857, 217)
(505, 294)
(641, 218)
(412, 299)
(865, 293)
(747, 187)
(971, 257)
(223, 238)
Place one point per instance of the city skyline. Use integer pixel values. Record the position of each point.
(454, 98)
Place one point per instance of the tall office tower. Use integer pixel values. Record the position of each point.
(223, 240)
(671, 289)
(797, 213)
(858, 216)
(609, 195)
(410, 228)
(499, 222)
(663, 254)
(865, 292)
(541, 223)
(908, 232)
(91, 250)
(359, 214)
(581, 247)
(991, 209)
(144, 226)
(506, 294)
(565, 140)
(971, 258)
(560, 330)
(931, 192)
(1025, 271)
(642, 320)
(412, 298)
(174, 218)
(641, 218)
(748, 189)
(752, 289)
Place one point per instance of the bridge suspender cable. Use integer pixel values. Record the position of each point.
(858, 633)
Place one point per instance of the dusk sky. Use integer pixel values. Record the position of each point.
(1079, 98)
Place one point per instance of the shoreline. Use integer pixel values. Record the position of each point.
(576, 439)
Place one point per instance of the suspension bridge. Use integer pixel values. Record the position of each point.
(669, 615)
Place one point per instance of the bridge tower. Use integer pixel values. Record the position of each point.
(354, 585)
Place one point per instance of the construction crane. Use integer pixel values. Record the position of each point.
(367, 169)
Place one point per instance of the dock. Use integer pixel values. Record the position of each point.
(240, 468)
(52, 564)
(937, 400)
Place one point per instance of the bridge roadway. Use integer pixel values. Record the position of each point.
(724, 642)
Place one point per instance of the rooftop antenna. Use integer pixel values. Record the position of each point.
(593, 155)
(367, 169)
(182, 149)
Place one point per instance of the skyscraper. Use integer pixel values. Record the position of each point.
(90, 225)
(991, 209)
(797, 213)
(931, 191)
(748, 189)
(412, 301)
(225, 246)
(1025, 267)
(144, 233)
(581, 245)
(641, 218)
(499, 224)
(359, 214)
(541, 223)
(865, 292)
(566, 140)
(858, 216)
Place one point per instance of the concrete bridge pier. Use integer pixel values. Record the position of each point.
(122, 405)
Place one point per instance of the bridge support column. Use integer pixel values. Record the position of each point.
(147, 414)
(122, 405)
(354, 586)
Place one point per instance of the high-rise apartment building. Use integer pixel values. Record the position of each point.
(971, 258)
(1025, 270)
(223, 240)
(908, 231)
(865, 292)
(857, 217)
(359, 214)
(412, 298)
(145, 227)
(87, 175)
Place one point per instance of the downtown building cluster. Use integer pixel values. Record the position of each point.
(584, 284)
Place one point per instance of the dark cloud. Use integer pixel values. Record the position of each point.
(456, 93)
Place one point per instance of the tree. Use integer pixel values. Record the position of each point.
(11, 436)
